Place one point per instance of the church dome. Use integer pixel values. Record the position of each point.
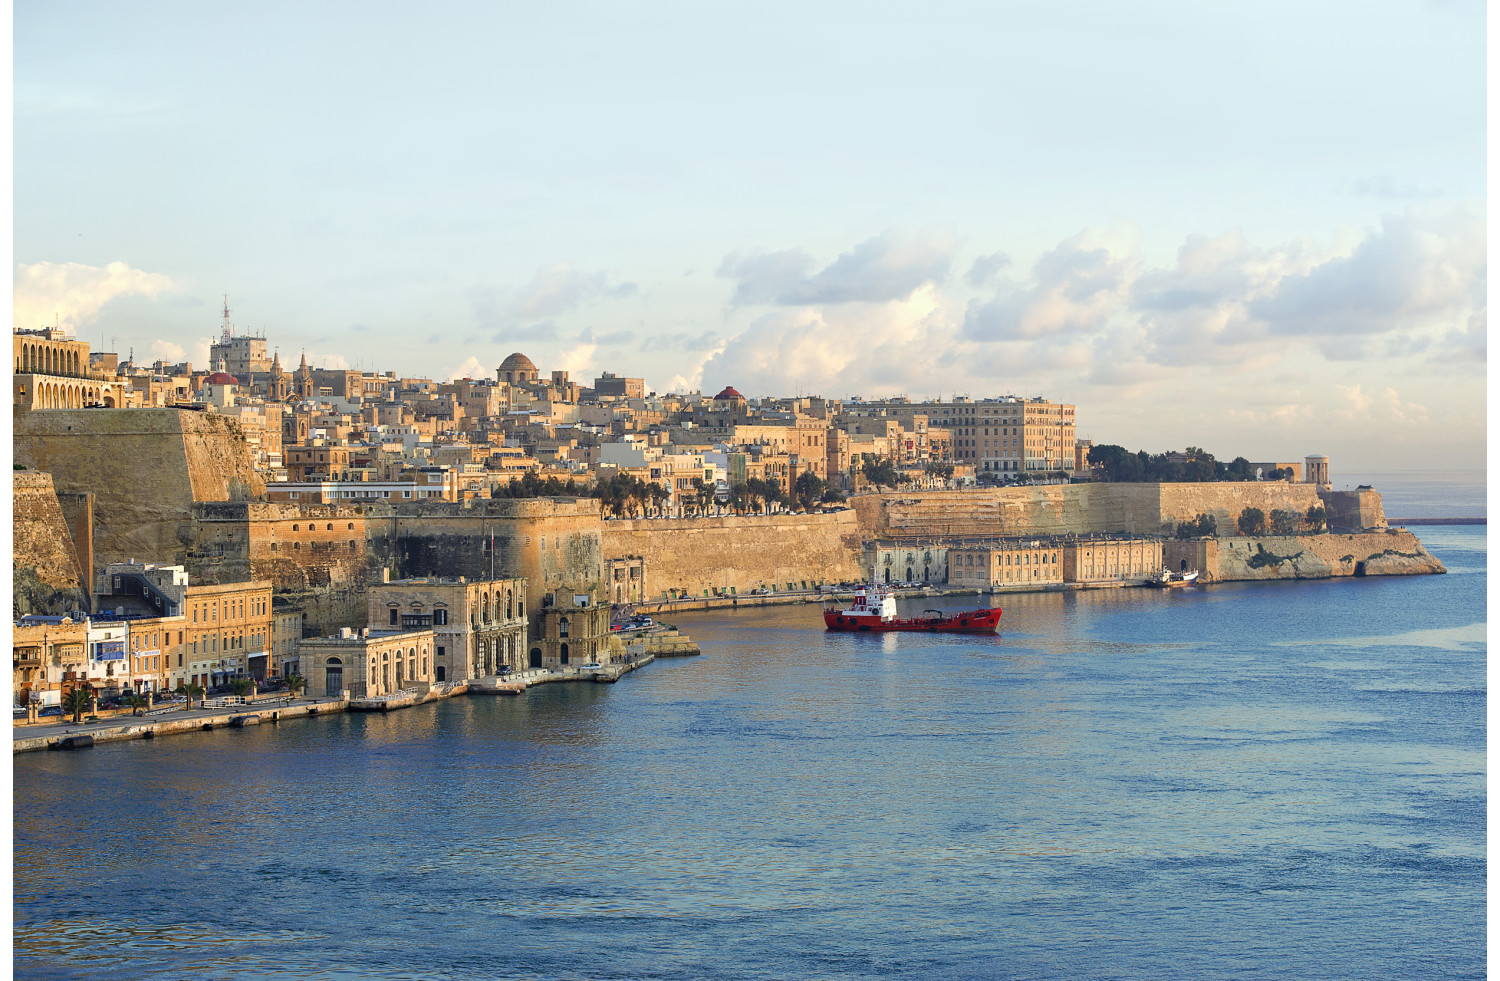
(221, 378)
(728, 394)
(517, 362)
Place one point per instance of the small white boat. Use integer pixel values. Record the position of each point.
(1167, 579)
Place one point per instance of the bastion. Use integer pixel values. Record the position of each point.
(146, 468)
(1100, 508)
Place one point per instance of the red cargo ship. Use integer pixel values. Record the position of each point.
(874, 609)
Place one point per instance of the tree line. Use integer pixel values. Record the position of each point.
(1194, 465)
(626, 495)
(1254, 521)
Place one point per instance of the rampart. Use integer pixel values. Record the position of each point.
(39, 534)
(1099, 508)
(146, 468)
(47, 576)
(697, 554)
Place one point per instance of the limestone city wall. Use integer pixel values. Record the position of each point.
(1079, 509)
(746, 552)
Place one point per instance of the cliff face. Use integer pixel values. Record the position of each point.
(1388, 553)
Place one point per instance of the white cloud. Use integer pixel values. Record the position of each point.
(72, 294)
(578, 360)
(1077, 287)
(471, 368)
(836, 350)
(167, 351)
(891, 266)
(554, 290)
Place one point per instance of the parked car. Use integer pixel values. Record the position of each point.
(591, 666)
(51, 710)
(505, 669)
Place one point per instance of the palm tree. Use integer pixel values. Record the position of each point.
(77, 701)
(295, 683)
(191, 690)
(241, 686)
(137, 703)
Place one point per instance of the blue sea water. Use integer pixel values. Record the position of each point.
(1268, 780)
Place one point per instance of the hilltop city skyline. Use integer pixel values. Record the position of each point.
(1250, 232)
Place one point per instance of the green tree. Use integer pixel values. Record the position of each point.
(136, 703)
(295, 683)
(1252, 522)
(881, 473)
(1239, 469)
(1199, 527)
(78, 701)
(1316, 517)
(241, 686)
(190, 691)
(701, 494)
(1285, 521)
(808, 489)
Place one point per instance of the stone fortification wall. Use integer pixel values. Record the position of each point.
(320, 570)
(694, 554)
(1074, 509)
(39, 535)
(1356, 510)
(146, 468)
(555, 544)
(1225, 501)
(47, 576)
(1392, 552)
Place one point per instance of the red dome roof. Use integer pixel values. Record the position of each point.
(221, 378)
(728, 393)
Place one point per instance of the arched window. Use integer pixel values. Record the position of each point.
(509, 605)
(562, 627)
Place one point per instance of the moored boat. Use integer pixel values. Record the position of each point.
(1167, 579)
(874, 610)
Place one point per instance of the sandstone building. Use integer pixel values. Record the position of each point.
(367, 663)
(477, 627)
(1005, 564)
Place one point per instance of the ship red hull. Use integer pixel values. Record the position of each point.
(966, 622)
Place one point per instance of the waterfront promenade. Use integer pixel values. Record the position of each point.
(275, 709)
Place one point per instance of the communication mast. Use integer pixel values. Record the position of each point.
(227, 333)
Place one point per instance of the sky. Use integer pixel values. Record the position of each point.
(1254, 228)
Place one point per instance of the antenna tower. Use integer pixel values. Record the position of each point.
(226, 336)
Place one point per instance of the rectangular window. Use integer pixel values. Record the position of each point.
(395, 614)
